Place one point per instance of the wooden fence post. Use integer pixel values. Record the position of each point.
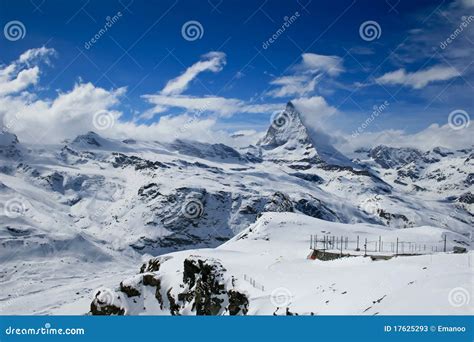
(396, 253)
(380, 243)
(341, 246)
(445, 242)
(357, 249)
(365, 247)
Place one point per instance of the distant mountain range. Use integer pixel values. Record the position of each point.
(93, 199)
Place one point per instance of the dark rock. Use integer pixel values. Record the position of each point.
(153, 265)
(152, 280)
(174, 307)
(308, 177)
(122, 160)
(205, 283)
(459, 250)
(467, 198)
(279, 202)
(129, 290)
(316, 209)
(238, 303)
(100, 308)
(149, 191)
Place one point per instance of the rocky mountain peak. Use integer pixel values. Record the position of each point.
(9, 144)
(289, 139)
(286, 127)
(90, 138)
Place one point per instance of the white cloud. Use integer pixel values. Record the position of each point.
(314, 109)
(171, 95)
(19, 82)
(315, 63)
(67, 115)
(219, 105)
(72, 112)
(15, 77)
(305, 75)
(467, 3)
(212, 61)
(433, 136)
(293, 85)
(420, 78)
(32, 55)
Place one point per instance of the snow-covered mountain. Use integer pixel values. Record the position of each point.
(264, 271)
(98, 203)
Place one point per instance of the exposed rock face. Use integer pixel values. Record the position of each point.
(206, 288)
(204, 291)
(390, 157)
(9, 145)
(121, 160)
(103, 304)
(279, 202)
(467, 198)
(90, 138)
(315, 208)
(238, 303)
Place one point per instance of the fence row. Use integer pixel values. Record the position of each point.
(252, 282)
(342, 243)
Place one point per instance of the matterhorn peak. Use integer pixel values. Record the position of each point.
(289, 140)
(285, 126)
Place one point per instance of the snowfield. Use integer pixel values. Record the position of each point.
(267, 263)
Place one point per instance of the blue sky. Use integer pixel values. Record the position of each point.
(144, 49)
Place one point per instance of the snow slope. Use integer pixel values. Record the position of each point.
(267, 266)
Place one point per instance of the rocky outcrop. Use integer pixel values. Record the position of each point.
(205, 290)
